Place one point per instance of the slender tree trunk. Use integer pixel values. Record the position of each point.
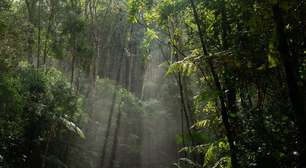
(290, 65)
(224, 113)
(45, 52)
(73, 61)
(183, 104)
(182, 112)
(30, 39)
(187, 118)
(230, 73)
(183, 97)
(39, 34)
(182, 131)
(108, 127)
(127, 72)
(92, 90)
(78, 76)
(50, 133)
(115, 142)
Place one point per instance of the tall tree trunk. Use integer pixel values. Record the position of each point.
(46, 149)
(78, 77)
(290, 65)
(92, 89)
(224, 113)
(183, 131)
(39, 34)
(109, 121)
(230, 73)
(183, 104)
(116, 134)
(182, 113)
(182, 91)
(73, 60)
(45, 50)
(30, 4)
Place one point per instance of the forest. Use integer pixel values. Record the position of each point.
(152, 83)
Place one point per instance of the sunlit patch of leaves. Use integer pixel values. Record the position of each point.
(185, 67)
(201, 124)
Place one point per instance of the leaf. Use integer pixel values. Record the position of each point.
(200, 148)
(223, 145)
(210, 154)
(261, 67)
(185, 149)
(273, 61)
(72, 127)
(200, 124)
(224, 160)
(80, 132)
(151, 34)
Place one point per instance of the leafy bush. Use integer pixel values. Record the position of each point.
(34, 104)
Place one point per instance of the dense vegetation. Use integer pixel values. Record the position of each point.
(152, 83)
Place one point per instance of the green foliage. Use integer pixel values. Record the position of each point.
(185, 67)
(249, 83)
(150, 36)
(213, 156)
(134, 7)
(241, 39)
(201, 124)
(12, 104)
(40, 98)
